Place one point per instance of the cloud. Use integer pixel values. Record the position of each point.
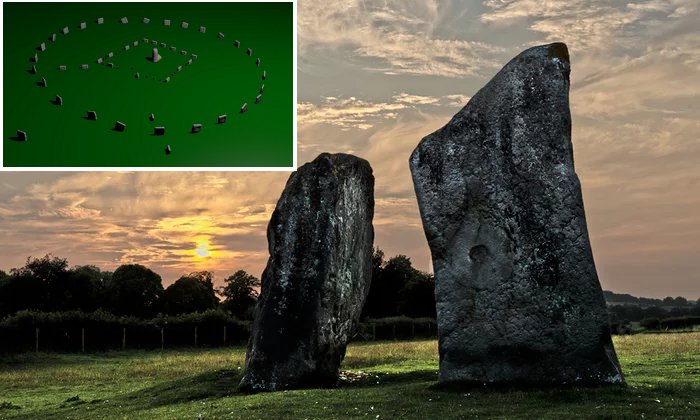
(399, 35)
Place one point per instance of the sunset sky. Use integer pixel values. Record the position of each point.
(374, 77)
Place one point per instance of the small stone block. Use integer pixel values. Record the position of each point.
(183, 52)
(35, 58)
(110, 55)
(146, 40)
(154, 42)
(151, 117)
(244, 108)
(21, 135)
(100, 21)
(184, 25)
(53, 37)
(43, 82)
(135, 43)
(137, 75)
(168, 150)
(159, 131)
(59, 100)
(264, 75)
(237, 44)
(42, 46)
(92, 115)
(262, 88)
(221, 119)
(119, 126)
(257, 62)
(196, 128)
(221, 35)
(163, 44)
(84, 66)
(65, 30)
(126, 47)
(166, 22)
(83, 25)
(194, 56)
(249, 51)
(124, 20)
(62, 68)
(173, 48)
(258, 98)
(202, 29)
(99, 60)
(33, 70)
(110, 64)
(179, 68)
(189, 61)
(167, 79)
(146, 20)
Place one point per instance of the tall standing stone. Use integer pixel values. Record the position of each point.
(518, 297)
(317, 277)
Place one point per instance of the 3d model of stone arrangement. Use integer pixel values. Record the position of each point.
(518, 298)
(155, 58)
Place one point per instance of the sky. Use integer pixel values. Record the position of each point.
(374, 77)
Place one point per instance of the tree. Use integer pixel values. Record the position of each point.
(134, 290)
(20, 291)
(398, 289)
(240, 293)
(46, 276)
(191, 293)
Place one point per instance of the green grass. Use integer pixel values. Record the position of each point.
(395, 381)
(218, 82)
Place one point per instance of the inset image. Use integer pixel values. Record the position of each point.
(147, 85)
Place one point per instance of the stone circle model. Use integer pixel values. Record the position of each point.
(155, 56)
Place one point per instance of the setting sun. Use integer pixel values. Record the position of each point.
(201, 251)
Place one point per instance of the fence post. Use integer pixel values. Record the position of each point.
(123, 338)
(195, 336)
(224, 335)
(82, 339)
(36, 340)
(162, 338)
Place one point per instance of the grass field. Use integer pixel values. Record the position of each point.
(662, 372)
(218, 81)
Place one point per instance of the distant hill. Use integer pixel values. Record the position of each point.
(613, 298)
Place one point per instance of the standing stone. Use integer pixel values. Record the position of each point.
(173, 48)
(110, 54)
(83, 25)
(202, 29)
(183, 52)
(517, 294)
(135, 43)
(137, 75)
(258, 98)
(159, 131)
(196, 128)
(92, 115)
(126, 47)
(221, 119)
(99, 60)
(35, 58)
(33, 70)
(184, 25)
(58, 100)
(262, 88)
(221, 35)
(124, 20)
(100, 21)
(168, 150)
(110, 65)
(43, 82)
(155, 57)
(84, 66)
(21, 135)
(249, 51)
(62, 68)
(146, 20)
(264, 75)
(151, 117)
(167, 79)
(237, 44)
(65, 30)
(257, 62)
(318, 275)
(53, 38)
(244, 108)
(194, 56)
(42, 46)
(119, 126)
(166, 22)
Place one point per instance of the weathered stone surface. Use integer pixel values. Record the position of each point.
(318, 275)
(518, 297)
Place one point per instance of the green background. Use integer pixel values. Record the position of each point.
(218, 82)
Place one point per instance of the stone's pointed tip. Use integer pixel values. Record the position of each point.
(558, 50)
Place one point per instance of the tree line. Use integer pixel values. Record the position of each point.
(47, 284)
